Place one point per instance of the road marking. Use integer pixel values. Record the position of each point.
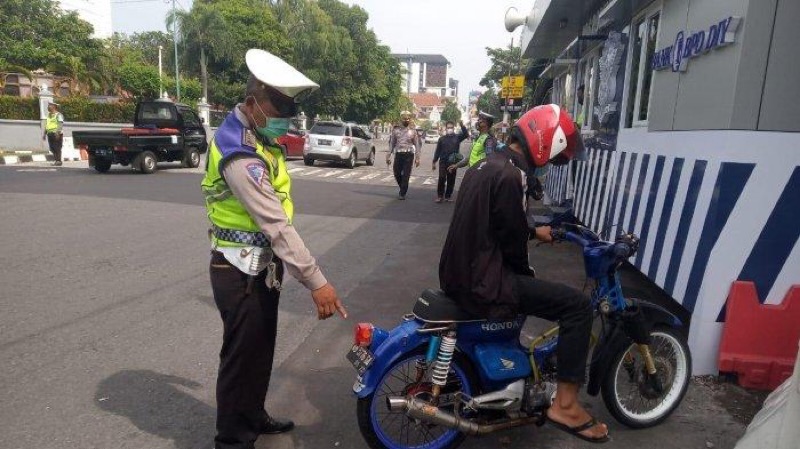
(412, 179)
(312, 172)
(371, 176)
(428, 182)
(330, 173)
(348, 175)
(296, 170)
(388, 178)
(36, 169)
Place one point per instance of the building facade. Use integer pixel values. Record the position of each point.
(426, 74)
(96, 12)
(689, 113)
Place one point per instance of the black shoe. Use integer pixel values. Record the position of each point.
(273, 426)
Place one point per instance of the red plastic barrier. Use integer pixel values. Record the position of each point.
(759, 341)
(148, 131)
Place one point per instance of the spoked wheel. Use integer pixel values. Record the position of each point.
(638, 399)
(383, 429)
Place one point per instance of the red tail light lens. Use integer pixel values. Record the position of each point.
(346, 141)
(120, 148)
(363, 334)
(83, 147)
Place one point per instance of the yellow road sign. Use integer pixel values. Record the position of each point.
(517, 81)
(512, 92)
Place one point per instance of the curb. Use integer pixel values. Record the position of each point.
(12, 159)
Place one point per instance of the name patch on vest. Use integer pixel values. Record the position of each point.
(249, 138)
(256, 170)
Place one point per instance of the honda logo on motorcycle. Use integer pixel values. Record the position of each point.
(500, 326)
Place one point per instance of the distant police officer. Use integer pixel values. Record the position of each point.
(483, 145)
(406, 144)
(54, 132)
(249, 203)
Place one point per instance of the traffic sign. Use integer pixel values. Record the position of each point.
(517, 81)
(515, 108)
(512, 92)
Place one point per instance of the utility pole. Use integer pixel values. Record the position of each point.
(506, 113)
(175, 42)
(160, 83)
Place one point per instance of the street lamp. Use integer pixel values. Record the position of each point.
(160, 83)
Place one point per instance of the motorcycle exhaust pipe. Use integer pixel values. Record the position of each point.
(423, 411)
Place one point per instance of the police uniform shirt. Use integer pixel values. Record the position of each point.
(404, 140)
(248, 179)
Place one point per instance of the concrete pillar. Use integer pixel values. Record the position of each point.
(45, 97)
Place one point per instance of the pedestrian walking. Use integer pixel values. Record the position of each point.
(249, 204)
(54, 131)
(483, 145)
(406, 145)
(448, 153)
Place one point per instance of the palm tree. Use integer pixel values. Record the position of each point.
(204, 33)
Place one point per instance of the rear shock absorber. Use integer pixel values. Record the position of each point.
(441, 367)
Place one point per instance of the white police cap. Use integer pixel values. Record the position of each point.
(278, 74)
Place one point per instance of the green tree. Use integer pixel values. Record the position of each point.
(139, 80)
(451, 113)
(375, 74)
(504, 61)
(398, 105)
(489, 102)
(205, 34)
(37, 34)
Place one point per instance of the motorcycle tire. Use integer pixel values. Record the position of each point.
(674, 376)
(369, 408)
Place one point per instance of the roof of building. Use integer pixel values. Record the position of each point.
(426, 100)
(422, 58)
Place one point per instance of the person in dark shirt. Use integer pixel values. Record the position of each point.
(447, 151)
(484, 264)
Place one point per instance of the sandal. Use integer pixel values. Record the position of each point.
(575, 431)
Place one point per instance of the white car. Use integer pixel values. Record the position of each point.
(432, 136)
(340, 142)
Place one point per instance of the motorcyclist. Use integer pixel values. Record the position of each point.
(484, 264)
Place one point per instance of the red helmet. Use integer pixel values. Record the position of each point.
(548, 134)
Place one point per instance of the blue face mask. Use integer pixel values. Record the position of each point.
(275, 127)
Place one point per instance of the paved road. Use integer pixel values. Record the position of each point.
(109, 335)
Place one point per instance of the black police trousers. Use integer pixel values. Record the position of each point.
(250, 322)
(403, 163)
(573, 312)
(55, 141)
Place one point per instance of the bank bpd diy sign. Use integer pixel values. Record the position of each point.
(691, 45)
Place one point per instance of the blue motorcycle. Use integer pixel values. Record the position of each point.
(442, 374)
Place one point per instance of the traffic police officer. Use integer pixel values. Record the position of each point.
(484, 145)
(53, 131)
(248, 198)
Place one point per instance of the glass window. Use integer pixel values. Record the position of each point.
(643, 47)
(328, 129)
(156, 111)
(647, 79)
(190, 119)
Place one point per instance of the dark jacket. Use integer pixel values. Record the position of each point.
(487, 243)
(449, 144)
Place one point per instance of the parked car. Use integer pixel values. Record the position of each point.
(162, 131)
(292, 143)
(340, 142)
(431, 136)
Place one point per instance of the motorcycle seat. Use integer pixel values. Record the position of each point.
(433, 306)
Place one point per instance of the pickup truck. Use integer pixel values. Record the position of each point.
(162, 131)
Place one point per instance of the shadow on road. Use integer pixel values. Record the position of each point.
(156, 404)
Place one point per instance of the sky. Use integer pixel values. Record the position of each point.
(458, 29)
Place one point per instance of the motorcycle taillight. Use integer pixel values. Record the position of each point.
(363, 334)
